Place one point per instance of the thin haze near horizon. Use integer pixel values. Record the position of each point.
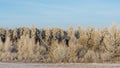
(59, 13)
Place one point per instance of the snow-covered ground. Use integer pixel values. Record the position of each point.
(32, 65)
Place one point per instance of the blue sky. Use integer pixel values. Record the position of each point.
(59, 13)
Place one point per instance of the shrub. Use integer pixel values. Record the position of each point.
(58, 45)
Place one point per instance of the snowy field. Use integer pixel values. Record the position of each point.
(32, 65)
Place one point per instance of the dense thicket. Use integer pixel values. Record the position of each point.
(58, 45)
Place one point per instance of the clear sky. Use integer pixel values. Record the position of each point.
(59, 13)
